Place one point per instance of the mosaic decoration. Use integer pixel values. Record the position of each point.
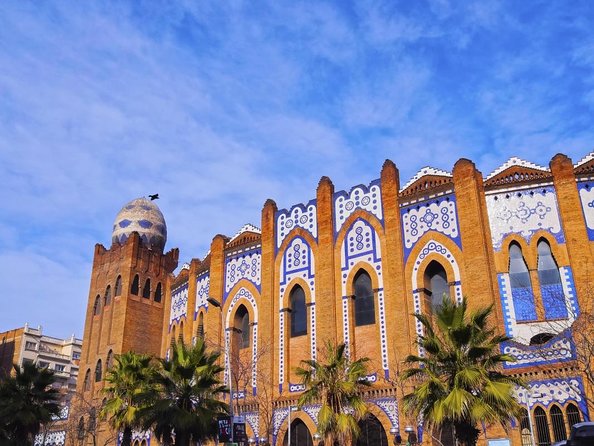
(142, 216)
(253, 419)
(137, 436)
(278, 418)
(434, 215)
(56, 438)
(202, 291)
(179, 304)
(524, 331)
(390, 407)
(297, 262)
(312, 411)
(558, 391)
(63, 415)
(433, 246)
(360, 197)
(296, 387)
(362, 243)
(524, 212)
(556, 350)
(242, 293)
(246, 265)
(299, 216)
(586, 191)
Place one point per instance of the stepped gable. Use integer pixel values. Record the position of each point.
(585, 166)
(517, 171)
(247, 235)
(427, 180)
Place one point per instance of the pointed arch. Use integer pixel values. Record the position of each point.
(107, 296)
(146, 290)
(87, 381)
(200, 329)
(118, 286)
(364, 299)
(372, 432)
(97, 306)
(109, 361)
(300, 434)
(135, 285)
(558, 423)
(436, 284)
(158, 293)
(541, 426)
(298, 311)
(98, 371)
(573, 414)
(549, 279)
(521, 284)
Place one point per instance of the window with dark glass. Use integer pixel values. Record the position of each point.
(558, 422)
(118, 286)
(364, 300)
(98, 371)
(242, 327)
(92, 419)
(181, 332)
(543, 437)
(135, 285)
(551, 289)
(525, 429)
(298, 312)
(541, 338)
(109, 362)
(107, 297)
(87, 382)
(521, 285)
(436, 281)
(200, 331)
(81, 428)
(158, 293)
(573, 414)
(146, 291)
(97, 305)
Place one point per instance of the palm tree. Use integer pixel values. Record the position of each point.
(128, 383)
(459, 380)
(27, 400)
(186, 399)
(337, 385)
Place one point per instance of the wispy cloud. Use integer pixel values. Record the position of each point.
(220, 105)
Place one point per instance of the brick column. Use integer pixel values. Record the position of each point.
(574, 228)
(325, 288)
(480, 277)
(212, 320)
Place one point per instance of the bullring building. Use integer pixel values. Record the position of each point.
(352, 266)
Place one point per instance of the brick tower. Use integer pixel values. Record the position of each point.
(126, 302)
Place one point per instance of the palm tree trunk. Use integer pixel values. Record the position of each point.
(182, 439)
(127, 436)
(466, 433)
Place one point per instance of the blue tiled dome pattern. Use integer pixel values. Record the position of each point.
(142, 216)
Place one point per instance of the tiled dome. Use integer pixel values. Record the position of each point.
(142, 216)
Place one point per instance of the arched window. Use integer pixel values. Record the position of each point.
(135, 285)
(364, 303)
(107, 297)
(81, 428)
(372, 432)
(521, 285)
(118, 286)
(158, 293)
(98, 371)
(92, 419)
(173, 338)
(300, 435)
(87, 382)
(200, 330)
(436, 283)
(573, 414)
(559, 432)
(551, 289)
(146, 291)
(242, 327)
(542, 427)
(97, 305)
(181, 332)
(525, 429)
(298, 312)
(109, 362)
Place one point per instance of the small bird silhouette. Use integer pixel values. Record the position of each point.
(154, 197)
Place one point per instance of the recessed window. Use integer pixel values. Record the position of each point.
(436, 283)
(364, 299)
(298, 312)
(521, 285)
(118, 286)
(146, 291)
(30, 345)
(98, 371)
(43, 364)
(59, 368)
(135, 285)
(158, 293)
(242, 327)
(107, 297)
(551, 289)
(97, 305)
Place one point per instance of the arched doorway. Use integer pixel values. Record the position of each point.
(300, 435)
(372, 432)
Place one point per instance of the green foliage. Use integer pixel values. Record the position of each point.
(27, 400)
(336, 385)
(128, 384)
(459, 380)
(185, 396)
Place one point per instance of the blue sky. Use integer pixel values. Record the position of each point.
(220, 105)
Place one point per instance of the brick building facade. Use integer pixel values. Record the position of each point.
(353, 266)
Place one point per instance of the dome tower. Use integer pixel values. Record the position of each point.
(142, 216)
